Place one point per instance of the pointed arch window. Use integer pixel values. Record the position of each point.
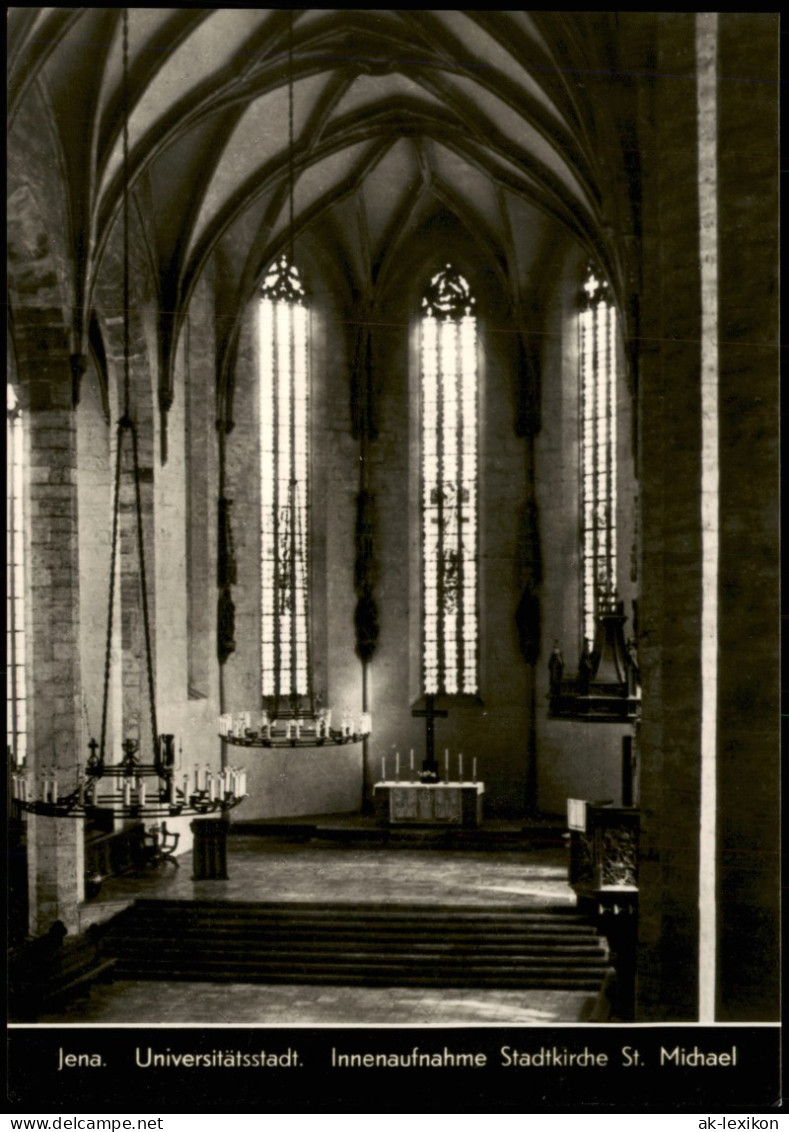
(285, 487)
(449, 485)
(598, 373)
(16, 665)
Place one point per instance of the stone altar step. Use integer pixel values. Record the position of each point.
(355, 944)
(362, 831)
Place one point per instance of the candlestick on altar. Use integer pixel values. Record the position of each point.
(383, 769)
(460, 767)
(446, 764)
(474, 770)
(411, 760)
(397, 766)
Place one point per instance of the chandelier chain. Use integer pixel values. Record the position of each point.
(144, 594)
(290, 138)
(113, 561)
(126, 342)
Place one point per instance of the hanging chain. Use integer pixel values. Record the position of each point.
(125, 424)
(291, 182)
(113, 557)
(144, 594)
(126, 343)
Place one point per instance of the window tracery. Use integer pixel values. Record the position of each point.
(598, 371)
(449, 436)
(284, 479)
(16, 661)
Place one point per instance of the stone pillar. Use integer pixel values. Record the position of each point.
(669, 415)
(735, 970)
(749, 658)
(55, 846)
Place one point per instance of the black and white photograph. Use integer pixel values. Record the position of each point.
(393, 629)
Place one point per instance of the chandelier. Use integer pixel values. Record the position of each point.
(292, 727)
(130, 788)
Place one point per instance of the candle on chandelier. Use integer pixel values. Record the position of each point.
(211, 787)
(127, 792)
(54, 788)
(186, 787)
(141, 792)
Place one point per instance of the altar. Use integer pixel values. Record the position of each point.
(429, 803)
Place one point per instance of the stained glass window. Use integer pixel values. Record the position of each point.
(284, 478)
(449, 442)
(598, 368)
(16, 694)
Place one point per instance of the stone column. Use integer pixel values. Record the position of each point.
(708, 932)
(55, 846)
(670, 427)
(748, 785)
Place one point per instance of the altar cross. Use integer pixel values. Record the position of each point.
(430, 713)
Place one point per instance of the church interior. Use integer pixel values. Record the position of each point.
(392, 443)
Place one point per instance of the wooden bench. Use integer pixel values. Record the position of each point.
(114, 852)
(48, 972)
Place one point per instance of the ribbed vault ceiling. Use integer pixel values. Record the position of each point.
(395, 113)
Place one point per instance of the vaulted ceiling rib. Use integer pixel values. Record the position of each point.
(393, 109)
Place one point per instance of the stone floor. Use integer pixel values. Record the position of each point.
(268, 869)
